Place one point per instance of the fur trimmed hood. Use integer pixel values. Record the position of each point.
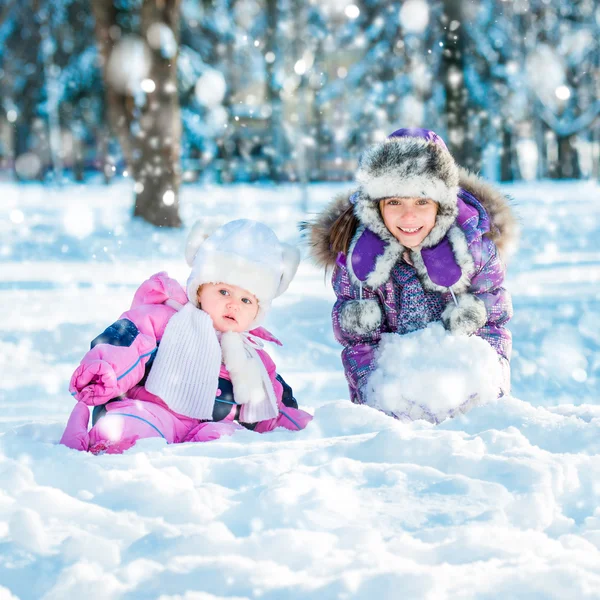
(503, 227)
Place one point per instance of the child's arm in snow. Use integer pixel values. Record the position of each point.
(359, 337)
(118, 356)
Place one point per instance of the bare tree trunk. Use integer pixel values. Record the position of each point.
(117, 104)
(568, 160)
(78, 154)
(54, 132)
(275, 141)
(595, 139)
(160, 170)
(153, 154)
(540, 140)
(509, 161)
(506, 156)
(456, 90)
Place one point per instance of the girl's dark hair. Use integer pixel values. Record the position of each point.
(342, 230)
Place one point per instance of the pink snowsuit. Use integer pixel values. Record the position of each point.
(115, 368)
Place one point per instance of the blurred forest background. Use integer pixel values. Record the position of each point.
(173, 91)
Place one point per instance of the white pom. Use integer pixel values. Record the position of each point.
(195, 238)
(290, 262)
(360, 316)
(244, 369)
(465, 318)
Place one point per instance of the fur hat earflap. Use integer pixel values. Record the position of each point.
(252, 387)
(243, 253)
(360, 316)
(466, 316)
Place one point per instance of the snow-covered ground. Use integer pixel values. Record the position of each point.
(500, 503)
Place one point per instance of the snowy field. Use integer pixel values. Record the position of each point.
(501, 503)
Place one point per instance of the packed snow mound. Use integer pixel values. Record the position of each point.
(433, 375)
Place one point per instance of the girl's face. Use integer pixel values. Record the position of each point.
(230, 307)
(409, 220)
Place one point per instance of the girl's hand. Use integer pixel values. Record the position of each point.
(94, 383)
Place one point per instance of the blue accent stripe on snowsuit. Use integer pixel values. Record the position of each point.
(141, 419)
(290, 418)
(135, 364)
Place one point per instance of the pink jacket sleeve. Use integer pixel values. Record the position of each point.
(118, 357)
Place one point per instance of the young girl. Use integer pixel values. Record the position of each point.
(418, 242)
(188, 365)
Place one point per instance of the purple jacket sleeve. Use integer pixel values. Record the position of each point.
(111, 368)
(487, 285)
(358, 355)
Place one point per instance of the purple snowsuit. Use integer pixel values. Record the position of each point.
(378, 291)
(407, 306)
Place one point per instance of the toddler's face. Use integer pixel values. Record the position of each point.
(409, 220)
(230, 307)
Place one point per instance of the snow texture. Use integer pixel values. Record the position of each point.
(502, 502)
(433, 375)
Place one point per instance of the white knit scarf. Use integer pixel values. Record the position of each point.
(252, 386)
(185, 373)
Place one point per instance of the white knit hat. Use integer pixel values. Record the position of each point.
(244, 253)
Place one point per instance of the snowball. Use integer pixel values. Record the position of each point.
(563, 92)
(246, 11)
(431, 374)
(352, 11)
(216, 119)
(148, 86)
(160, 37)
(546, 72)
(210, 88)
(128, 65)
(78, 221)
(169, 198)
(413, 110)
(414, 16)
(28, 165)
(17, 216)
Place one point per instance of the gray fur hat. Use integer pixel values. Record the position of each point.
(410, 163)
